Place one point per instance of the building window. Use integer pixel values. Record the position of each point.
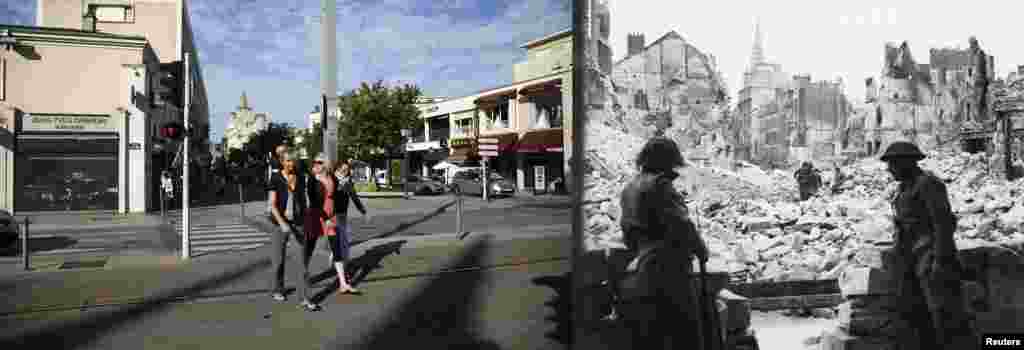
(549, 115)
(497, 117)
(113, 13)
(463, 128)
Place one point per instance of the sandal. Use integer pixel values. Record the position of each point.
(278, 296)
(309, 306)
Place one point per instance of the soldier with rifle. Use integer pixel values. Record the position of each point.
(927, 268)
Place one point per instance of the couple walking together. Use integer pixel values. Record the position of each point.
(319, 204)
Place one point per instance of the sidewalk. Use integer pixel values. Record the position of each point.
(126, 279)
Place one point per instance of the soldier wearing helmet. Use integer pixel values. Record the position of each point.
(928, 271)
(657, 228)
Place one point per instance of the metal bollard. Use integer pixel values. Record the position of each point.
(163, 204)
(24, 247)
(241, 201)
(458, 213)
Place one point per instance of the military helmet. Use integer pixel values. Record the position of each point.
(902, 149)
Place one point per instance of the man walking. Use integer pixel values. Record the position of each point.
(928, 271)
(808, 179)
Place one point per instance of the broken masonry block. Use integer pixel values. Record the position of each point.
(866, 281)
(737, 310)
(841, 340)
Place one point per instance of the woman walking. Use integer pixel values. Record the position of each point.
(344, 192)
(656, 226)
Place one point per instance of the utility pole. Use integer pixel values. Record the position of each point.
(329, 77)
(185, 252)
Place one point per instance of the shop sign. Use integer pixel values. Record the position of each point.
(462, 142)
(422, 146)
(68, 122)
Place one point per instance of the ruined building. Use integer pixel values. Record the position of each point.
(670, 80)
(784, 119)
(944, 102)
(764, 83)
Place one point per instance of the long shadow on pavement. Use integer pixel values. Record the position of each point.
(83, 331)
(358, 268)
(438, 316)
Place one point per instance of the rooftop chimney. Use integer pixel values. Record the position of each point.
(635, 43)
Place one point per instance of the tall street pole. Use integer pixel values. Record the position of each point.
(329, 77)
(185, 253)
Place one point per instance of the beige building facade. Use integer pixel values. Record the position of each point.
(92, 89)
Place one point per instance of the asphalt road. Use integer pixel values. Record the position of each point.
(491, 309)
(486, 220)
(224, 226)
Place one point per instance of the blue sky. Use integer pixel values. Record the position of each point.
(271, 48)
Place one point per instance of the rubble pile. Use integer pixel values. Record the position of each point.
(763, 231)
(870, 314)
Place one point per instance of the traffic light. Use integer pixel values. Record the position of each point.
(171, 84)
(173, 130)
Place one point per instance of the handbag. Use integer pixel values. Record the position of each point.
(312, 224)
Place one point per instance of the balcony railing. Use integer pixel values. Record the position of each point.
(462, 132)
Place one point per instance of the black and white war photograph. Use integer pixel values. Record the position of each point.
(782, 175)
(286, 174)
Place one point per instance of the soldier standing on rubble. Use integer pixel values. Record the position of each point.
(656, 226)
(808, 179)
(928, 270)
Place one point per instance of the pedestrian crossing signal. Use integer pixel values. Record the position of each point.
(173, 130)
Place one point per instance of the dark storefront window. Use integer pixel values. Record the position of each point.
(67, 173)
(62, 182)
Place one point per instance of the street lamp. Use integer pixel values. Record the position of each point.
(406, 133)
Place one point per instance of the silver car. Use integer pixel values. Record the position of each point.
(469, 182)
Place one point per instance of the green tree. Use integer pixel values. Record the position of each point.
(373, 116)
(264, 141)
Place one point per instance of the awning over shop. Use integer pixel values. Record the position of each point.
(506, 141)
(545, 140)
(542, 87)
(462, 154)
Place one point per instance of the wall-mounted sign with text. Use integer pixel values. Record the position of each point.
(68, 122)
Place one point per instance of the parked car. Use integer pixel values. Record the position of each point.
(423, 185)
(470, 182)
(8, 229)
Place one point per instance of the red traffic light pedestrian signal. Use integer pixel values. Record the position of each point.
(172, 130)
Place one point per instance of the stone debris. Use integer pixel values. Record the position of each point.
(759, 227)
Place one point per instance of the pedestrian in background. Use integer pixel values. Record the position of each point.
(344, 193)
(808, 179)
(285, 209)
(656, 226)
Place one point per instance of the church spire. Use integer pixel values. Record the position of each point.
(245, 103)
(757, 53)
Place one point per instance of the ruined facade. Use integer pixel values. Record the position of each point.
(944, 102)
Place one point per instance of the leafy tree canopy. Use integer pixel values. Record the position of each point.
(373, 116)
